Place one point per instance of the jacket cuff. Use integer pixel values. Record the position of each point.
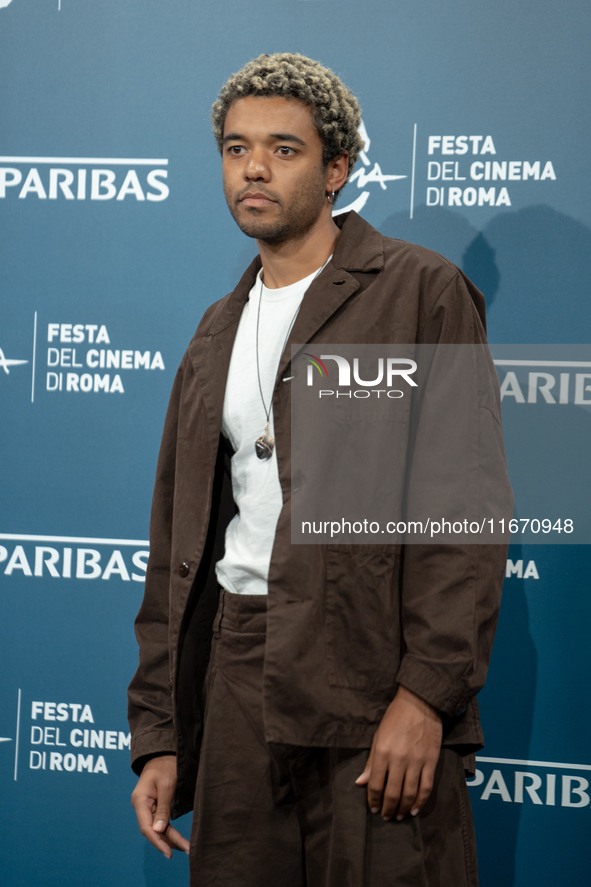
(426, 682)
(151, 744)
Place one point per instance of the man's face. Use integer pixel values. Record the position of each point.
(274, 177)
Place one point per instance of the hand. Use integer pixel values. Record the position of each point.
(151, 800)
(403, 756)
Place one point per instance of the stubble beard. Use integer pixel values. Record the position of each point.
(293, 221)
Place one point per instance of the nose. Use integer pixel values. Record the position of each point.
(256, 169)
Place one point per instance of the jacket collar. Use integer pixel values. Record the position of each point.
(231, 306)
(359, 248)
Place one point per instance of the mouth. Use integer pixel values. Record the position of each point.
(256, 199)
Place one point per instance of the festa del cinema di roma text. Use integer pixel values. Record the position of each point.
(64, 739)
(484, 178)
(82, 369)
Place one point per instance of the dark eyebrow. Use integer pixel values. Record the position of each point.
(286, 137)
(276, 136)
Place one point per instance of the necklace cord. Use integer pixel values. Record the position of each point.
(297, 311)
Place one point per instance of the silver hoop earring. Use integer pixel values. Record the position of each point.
(330, 198)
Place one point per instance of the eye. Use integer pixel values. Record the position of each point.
(285, 151)
(235, 150)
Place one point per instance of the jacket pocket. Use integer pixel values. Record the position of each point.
(362, 616)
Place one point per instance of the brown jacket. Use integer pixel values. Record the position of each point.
(334, 656)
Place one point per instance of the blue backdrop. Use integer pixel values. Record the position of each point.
(115, 238)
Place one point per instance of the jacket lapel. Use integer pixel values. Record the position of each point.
(359, 248)
(210, 354)
(324, 296)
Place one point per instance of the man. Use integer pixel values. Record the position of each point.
(321, 740)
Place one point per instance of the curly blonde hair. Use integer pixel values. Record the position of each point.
(335, 110)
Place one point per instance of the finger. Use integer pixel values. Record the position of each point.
(176, 840)
(159, 842)
(375, 785)
(144, 811)
(425, 788)
(144, 818)
(392, 790)
(408, 794)
(161, 815)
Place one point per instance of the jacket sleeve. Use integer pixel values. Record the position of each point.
(451, 593)
(150, 696)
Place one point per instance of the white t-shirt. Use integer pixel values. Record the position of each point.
(244, 569)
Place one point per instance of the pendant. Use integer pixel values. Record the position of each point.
(264, 445)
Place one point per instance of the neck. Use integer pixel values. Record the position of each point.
(290, 261)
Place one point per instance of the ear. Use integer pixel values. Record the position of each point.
(337, 171)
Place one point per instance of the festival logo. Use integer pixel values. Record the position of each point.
(468, 171)
(365, 176)
(7, 362)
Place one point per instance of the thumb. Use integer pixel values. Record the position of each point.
(161, 823)
(363, 779)
(162, 815)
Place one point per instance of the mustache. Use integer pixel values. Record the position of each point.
(257, 190)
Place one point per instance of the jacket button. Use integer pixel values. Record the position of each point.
(183, 570)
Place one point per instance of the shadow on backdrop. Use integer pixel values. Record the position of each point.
(533, 266)
(544, 260)
(480, 265)
(451, 235)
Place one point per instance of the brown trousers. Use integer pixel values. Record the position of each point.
(271, 815)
